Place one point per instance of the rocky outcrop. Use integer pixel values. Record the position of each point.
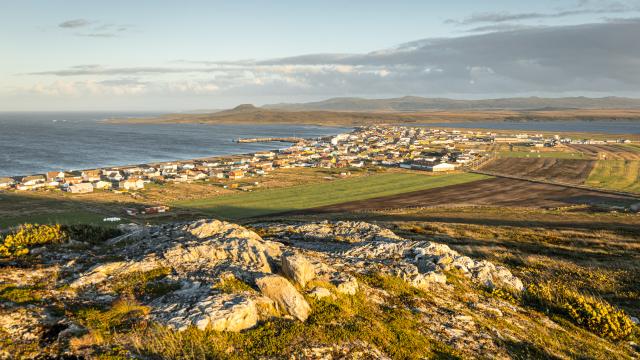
(341, 231)
(186, 263)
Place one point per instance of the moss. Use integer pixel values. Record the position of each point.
(121, 316)
(232, 285)
(144, 283)
(20, 295)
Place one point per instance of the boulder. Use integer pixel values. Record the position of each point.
(297, 268)
(285, 295)
(220, 312)
(348, 287)
(319, 292)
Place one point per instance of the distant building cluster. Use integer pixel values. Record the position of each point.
(420, 148)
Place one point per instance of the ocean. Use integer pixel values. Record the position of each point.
(33, 143)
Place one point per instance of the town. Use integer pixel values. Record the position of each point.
(418, 148)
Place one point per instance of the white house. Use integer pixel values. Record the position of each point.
(102, 185)
(6, 183)
(442, 167)
(81, 188)
(131, 184)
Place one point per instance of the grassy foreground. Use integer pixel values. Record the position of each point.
(265, 202)
(623, 175)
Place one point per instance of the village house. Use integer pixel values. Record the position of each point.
(91, 175)
(235, 174)
(131, 184)
(81, 188)
(442, 167)
(32, 180)
(71, 178)
(6, 183)
(115, 176)
(55, 176)
(102, 185)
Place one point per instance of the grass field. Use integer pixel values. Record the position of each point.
(308, 196)
(64, 217)
(545, 154)
(623, 175)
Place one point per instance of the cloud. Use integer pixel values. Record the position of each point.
(75, 23)
(499, 27)
(598, 58)
(94, 29)
(583, 8)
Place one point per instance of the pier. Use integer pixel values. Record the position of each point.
(270, 139)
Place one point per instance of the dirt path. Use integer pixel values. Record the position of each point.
(496, 191)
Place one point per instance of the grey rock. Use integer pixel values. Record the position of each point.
(285, 295)
(297, 268)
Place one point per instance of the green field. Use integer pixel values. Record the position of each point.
(622, 175)
(308, 196)
(542, 155)
(64, 217)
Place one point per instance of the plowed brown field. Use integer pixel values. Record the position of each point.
(608, 152)
(496, 191)
(567, 171)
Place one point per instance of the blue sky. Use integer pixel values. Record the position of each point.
(170, 55)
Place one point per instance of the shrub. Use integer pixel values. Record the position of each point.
(18, 242)
(593, 314)
(90, 233)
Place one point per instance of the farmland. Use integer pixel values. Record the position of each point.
(488, 192)
(548, 169)
(323, 194)
(543, 154)
(623, 175)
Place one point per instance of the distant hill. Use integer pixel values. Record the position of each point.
(418, 104)
(249, 114)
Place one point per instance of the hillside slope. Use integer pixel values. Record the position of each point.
(416, 103)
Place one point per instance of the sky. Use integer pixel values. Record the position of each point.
(157, 55)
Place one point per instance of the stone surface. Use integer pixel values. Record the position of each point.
(297, 268)
(320, 292)
(197, 307)
(285, 295)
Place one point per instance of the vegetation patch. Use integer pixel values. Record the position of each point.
(91, 233)
(20, 294)
(593, 314)
(623, 175)
(144, 283)
(18, 242)
(122, 316)
(232, 285)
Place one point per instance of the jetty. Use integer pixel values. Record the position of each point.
(270, 139)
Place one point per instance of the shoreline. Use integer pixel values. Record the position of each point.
(285, 144)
